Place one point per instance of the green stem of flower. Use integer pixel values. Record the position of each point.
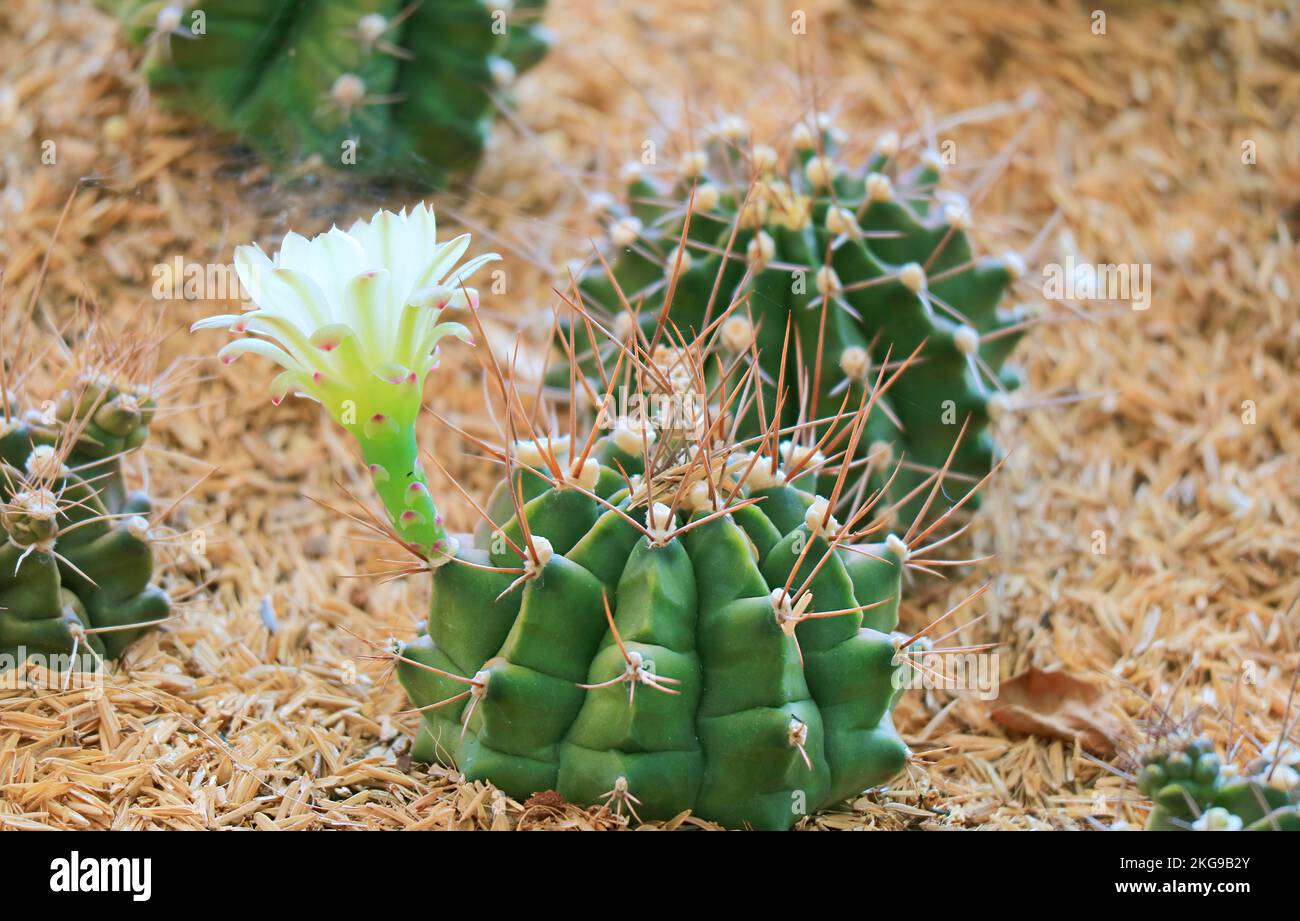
(391, 453)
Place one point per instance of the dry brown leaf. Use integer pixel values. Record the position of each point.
(1058, 705)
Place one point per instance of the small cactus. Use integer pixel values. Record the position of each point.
(398, 90)
(1190, 789)
(77, 564)
(842, 269)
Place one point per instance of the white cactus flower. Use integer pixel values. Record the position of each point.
(354, 319)
(354, 315)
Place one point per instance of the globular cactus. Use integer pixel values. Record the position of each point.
(655, 617)
(856, 266)
(660, 618)
(77, 563)
(1191, 790)
(399, 90)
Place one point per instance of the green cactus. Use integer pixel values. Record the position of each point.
(1189, 789)
(659, 619)
(400, 90)
(76, 564)
(659, 616)
(863, 265)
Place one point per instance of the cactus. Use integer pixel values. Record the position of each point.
(656, 618)
(77, 562)
(1190, 789)
(859, 264)
(396, 89)
(661, 618)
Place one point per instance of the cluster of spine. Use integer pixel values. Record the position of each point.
(1190, 789)
(841, 270)
(76, 564)
(659, 616)
(404, 88)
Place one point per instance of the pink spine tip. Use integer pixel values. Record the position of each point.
(378, 417)
(416, 487)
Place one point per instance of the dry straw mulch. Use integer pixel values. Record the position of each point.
(249, 710)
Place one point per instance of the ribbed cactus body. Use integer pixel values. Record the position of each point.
(76, 555)
(398, 90)
(863, 265)
(755, 721)
(1189, 790)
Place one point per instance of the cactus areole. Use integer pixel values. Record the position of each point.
(395, 89)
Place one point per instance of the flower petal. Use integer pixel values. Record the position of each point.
(251, 267)
(221, 321)
(442, 260)
(465, 271)
(329, 337)
(234, 350)
(374, 314)
(295, 295)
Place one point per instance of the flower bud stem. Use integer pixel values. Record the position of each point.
(393, 457)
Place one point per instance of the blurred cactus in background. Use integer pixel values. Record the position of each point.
(1190, 789)
(401, 91)
(841, 269)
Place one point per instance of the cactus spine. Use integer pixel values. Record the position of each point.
(397, 89)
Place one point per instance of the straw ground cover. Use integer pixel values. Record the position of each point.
(252, 707)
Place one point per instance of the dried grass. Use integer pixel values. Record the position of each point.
(219, 721)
